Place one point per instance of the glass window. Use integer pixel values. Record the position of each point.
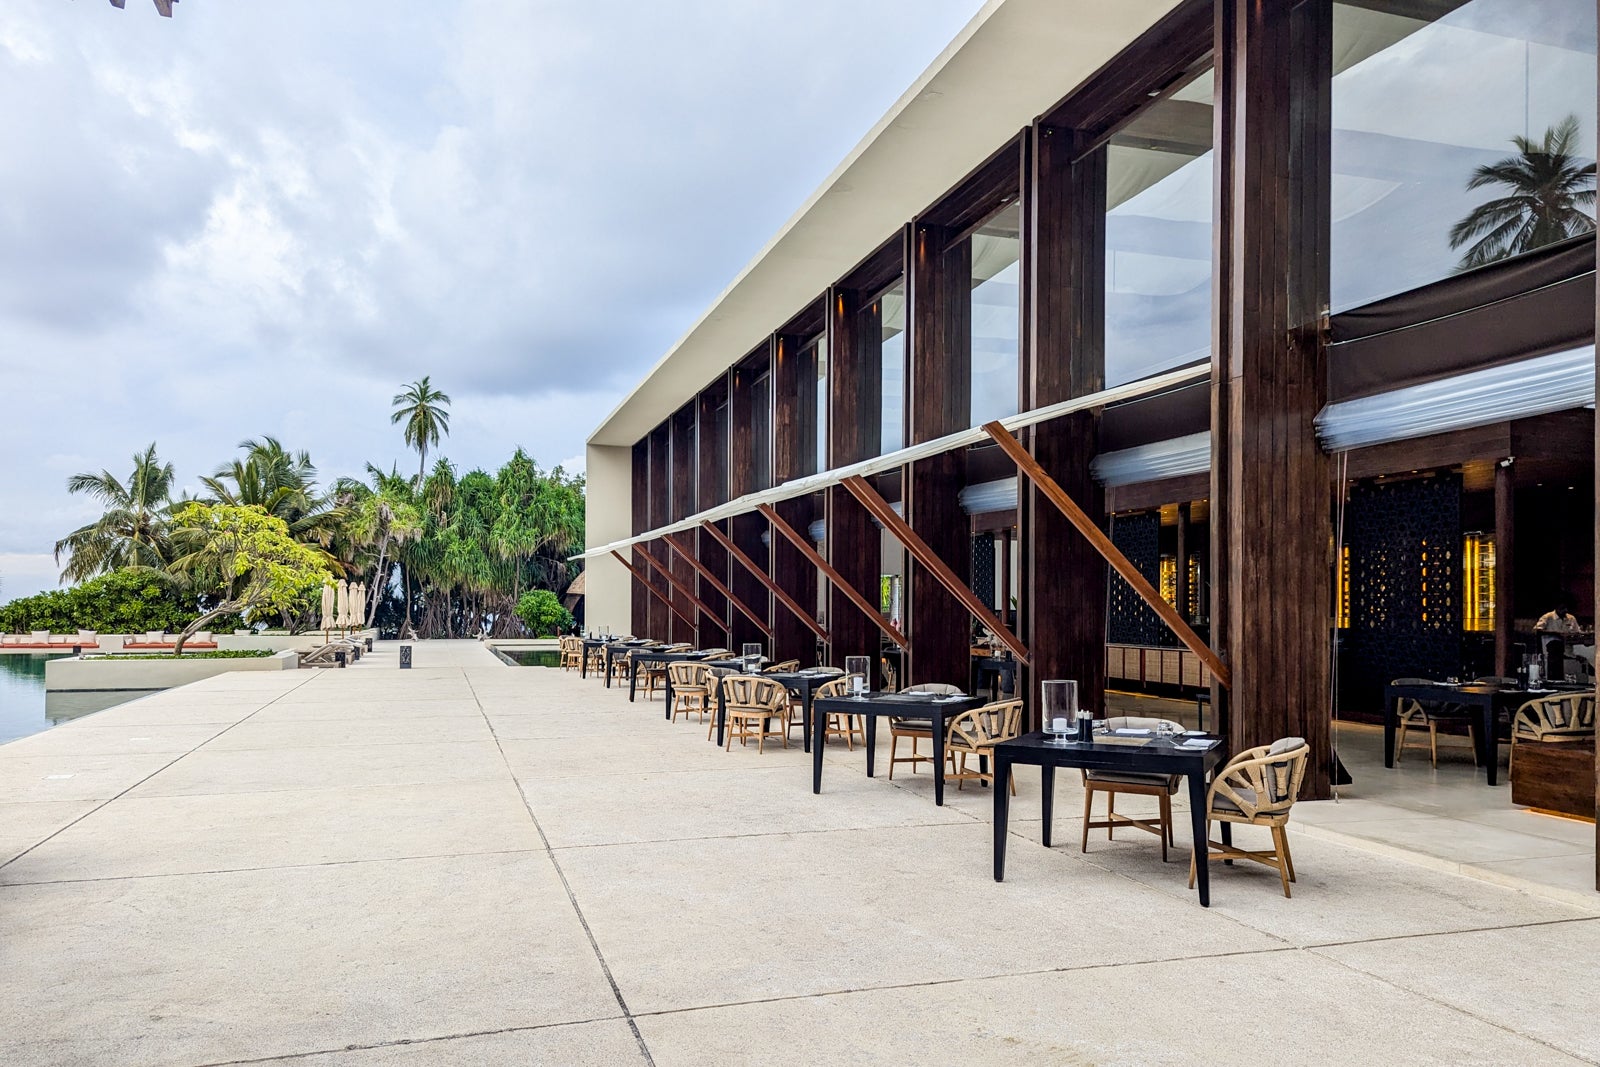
(719, 469)
(1458, 140)
(761, 431)
(819, 358)
(996, 250)
(892, 325)
(1158, 236)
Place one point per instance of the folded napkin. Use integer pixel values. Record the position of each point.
(1198, 743)
(1131, 733)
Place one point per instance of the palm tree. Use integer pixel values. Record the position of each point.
(284, 485)
(1551, 197)
(384, 518)
(422, 408)
(132, 530)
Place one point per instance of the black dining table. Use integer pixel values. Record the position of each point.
(616, 648)
(939, 710)
(1485, 701)
(994, 673)
(801, 683)
(1126, 755)
(640, 656)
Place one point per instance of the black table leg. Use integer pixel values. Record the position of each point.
(722, 713)
(633, 677)
(606, 664)
(938, 760)
(1488, 750)
(1202, 850)
(667, 693)
(983, 768)
(872, 741)
(1227, 838)
(1390, 714)
(583, 666)
(816, 756)
(1002, 808)
(805, 717)
(1047, 801)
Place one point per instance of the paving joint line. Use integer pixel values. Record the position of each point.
(572, 897)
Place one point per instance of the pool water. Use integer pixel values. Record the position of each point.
(26, 709)
(532, 657)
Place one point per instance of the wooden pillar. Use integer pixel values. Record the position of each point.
(1063, 595)
(1505, 547)
(1274, 116)
(938, 389)
(745, 530)
(1596, 558)
(710, 483)
(855, 392)
(639, 597)
(1181, 588)
(794, 454)
(685, 463)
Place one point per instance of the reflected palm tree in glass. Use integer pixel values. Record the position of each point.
(1551, 196)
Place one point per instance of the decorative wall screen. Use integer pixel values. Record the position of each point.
(983, 568)
(1129, 621)
(1405, 584)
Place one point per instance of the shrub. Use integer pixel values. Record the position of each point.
(541, 612)
(221, 653)
(122, 602)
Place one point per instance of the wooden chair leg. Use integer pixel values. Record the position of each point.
(1433, 743)
(1088, 810)
(1111, 814)
(1400, 742)
(1288, 860)
(1511, 760)
(894, 742)
(1166, 822)
(1472, 736)
(1283, 865)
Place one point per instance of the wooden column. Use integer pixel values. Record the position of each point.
(1596, 558)
(713, 462)
(745, 530)
(685, 463)
(1063, 593)
(855, 390)
(639, 598)
(794, 454)
(1505, 548)
(661, 625)
(1181, 587)
(1273, 107)
(938, 390)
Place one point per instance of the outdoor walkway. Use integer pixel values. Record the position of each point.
(470, 863)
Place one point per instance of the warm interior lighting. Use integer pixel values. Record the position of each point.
(1193, 606)
(1341, 589)
(1477, 558)
(1169, 580)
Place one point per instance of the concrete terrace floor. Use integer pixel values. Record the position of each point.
(470, 863)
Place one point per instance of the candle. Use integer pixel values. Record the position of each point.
(1059, 725)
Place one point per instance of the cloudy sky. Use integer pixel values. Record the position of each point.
(263, 218)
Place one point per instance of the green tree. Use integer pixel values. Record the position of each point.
(284, 484)
(1550, 197)
(542, 613)
(130, 601)
(244, 558)
(382, 518)
(422, 409)
(132, 528)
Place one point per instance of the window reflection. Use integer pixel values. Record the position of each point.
(1158, 236)
(819, 359)
(761, 432)
(892, 326)
(1486, 93)
(996, 249)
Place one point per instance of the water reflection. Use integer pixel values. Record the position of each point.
(25, 707)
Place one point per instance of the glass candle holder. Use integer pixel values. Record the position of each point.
(855, 672)
(751, 655)
(1060, 709)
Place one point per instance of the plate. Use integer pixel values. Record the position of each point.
(1195, 733)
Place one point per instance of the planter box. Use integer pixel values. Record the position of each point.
(113, 672)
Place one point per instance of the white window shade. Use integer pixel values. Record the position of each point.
(1173, 458)
(999, 495)
(1518, 390)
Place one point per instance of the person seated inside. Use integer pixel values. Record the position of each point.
(1559, 621)
(1554, 628)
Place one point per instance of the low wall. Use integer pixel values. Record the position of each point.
(116, 672)
(225, 642)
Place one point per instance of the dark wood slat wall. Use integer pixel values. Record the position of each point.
(713, 461)
(855, 433)
(938, 396)
(1596, 556)
(1276, 525)
(685, 461)
(662, 623)
(745, 530)
(1063, 600)
(794, 419)
(639, 597)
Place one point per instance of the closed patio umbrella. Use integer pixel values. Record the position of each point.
(342, 619)
(328, 594)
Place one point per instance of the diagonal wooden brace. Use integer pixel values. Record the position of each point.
(716, 583)
(754, 568)
(924, 555)
(803, 543)
(1102, 544)
(644, 580)
(672, 580)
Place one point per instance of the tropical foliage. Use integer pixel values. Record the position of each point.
(542, 613)
(443, 553)
(122, 602)
(1549, 196)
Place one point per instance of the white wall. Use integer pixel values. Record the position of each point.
(608, 517)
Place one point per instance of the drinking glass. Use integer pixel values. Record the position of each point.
(855, 669)
(752, 655)
(1060, 698)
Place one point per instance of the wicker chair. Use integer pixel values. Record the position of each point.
(571, 653)
(1567, 718)
(1114, 783)
(690, 688)
(1257, 787)
(914, 728)
(841, 724)
(1414, 715)
(754, 704)
(786, 667)
(975, 733)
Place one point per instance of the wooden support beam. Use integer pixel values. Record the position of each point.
(716, 583)
(927, 557)
(755, 569)
(684, 590)
(1097, 537)
(801, 542)
(644, 580)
